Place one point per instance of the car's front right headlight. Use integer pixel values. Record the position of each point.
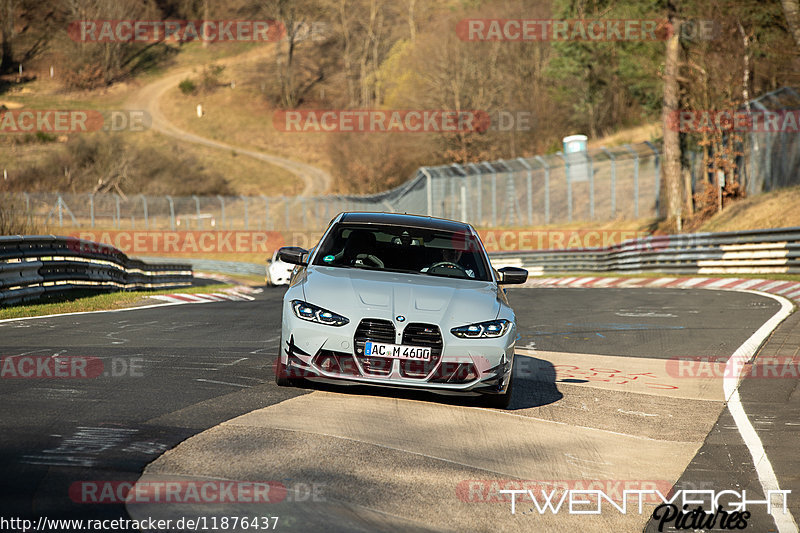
(483, 330)
(313, 313)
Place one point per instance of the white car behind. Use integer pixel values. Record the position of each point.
(278, 272)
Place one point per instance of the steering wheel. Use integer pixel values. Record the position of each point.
(448, 264)
(369, 257)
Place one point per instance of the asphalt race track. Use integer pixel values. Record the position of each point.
(186, 392)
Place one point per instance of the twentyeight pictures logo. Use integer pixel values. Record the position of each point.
(153, 31)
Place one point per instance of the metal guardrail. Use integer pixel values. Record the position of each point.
(769, 251)
(37, 265)
(213, 265)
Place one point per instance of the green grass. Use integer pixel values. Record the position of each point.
(81, 301)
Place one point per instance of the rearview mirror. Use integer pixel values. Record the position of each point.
(293, 255)
(513, 275)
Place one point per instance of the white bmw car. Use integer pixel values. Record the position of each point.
(400, 301)
(278, 272)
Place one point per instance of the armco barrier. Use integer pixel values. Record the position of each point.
(769, 251)
(33, 266)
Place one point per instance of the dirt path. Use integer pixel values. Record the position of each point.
(148, 98)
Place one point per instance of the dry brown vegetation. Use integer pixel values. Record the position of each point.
(405, 54)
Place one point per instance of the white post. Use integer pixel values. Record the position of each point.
(429, 188)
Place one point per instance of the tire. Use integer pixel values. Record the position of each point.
(499, 401)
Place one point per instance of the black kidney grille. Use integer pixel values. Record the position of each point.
(376, 330)
(417, 334)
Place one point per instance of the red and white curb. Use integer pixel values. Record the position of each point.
(788, 289)
(236, 294)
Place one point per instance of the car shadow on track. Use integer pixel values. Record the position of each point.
(534, 386)
(534, 383)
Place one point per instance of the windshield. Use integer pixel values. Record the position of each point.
(408, 250)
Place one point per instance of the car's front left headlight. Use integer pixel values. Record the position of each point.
(483, 330)
(313, 313)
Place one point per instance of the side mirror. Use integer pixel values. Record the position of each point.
(293, 255)
(513, 275)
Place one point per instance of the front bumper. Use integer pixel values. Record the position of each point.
(330, 354)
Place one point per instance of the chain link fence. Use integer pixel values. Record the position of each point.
(772, 158)
(766, 145)
(598, 185)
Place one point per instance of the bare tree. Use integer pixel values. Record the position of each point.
(791, 10)
(7, 20)
(671, 169)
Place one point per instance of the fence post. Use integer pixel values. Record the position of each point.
(171, 213)
(463, 202)
(511, 194)
(222, 207)
(197, 206)
(464, 183)
(528, 187)
(144, 207)
(494, 193)
(542, 162)
(428, 189)
(569, 186)
(266, 212)
(119, 214)
(479, 190)
(590, 162)
(60, 215)
(613, 159)
(28, 208)
(635, 180)
(657, 176)
(246, 217)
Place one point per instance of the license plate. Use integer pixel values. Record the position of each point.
(397, 351)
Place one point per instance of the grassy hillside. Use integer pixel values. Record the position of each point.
(777, 209)
(37, 162)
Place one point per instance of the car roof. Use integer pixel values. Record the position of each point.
(400, 219)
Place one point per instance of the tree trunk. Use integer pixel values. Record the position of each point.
(671, 169)
(205, 19)
(791, 10)
(7, 30)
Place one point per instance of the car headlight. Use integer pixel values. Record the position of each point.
(483, 330)
(312, 313)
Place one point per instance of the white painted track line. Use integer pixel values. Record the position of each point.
(733, 369)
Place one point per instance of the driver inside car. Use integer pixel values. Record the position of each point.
(450, 259)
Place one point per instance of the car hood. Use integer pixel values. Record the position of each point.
(356, 293)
